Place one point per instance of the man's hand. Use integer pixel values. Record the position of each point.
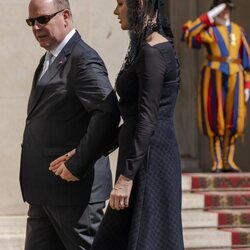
(216, 11)
(119, 197)
(58, 167)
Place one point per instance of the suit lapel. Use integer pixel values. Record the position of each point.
(33, 89)
(39, 86)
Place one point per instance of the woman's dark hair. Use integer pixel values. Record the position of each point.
(145, 17)
(151, 14)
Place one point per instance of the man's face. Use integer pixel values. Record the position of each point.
(225, 14)
(51, 34)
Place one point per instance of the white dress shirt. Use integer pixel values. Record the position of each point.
(56, 51)
(51, 55)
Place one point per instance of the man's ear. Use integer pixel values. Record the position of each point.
(66, 16)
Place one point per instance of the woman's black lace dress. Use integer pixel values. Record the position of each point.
(148, 153)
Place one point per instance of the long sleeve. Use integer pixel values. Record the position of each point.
(95, 93)
(150, 74)
(198, 32)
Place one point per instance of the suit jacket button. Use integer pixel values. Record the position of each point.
(28, 122)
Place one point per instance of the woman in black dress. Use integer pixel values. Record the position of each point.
(145, 204)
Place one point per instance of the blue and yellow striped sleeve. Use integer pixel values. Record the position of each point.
(198, 32)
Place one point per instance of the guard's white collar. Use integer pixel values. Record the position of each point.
(222, 21)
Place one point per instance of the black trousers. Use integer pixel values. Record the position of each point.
(62, 227)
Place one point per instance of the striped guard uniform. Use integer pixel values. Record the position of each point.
(225, 74)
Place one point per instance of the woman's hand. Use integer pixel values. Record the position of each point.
(58, 167)
(54, 165)
(119, 197)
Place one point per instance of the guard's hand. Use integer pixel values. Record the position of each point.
(119, 197)
(247, 94)
(216, 11)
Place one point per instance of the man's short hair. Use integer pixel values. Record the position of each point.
(62, 4)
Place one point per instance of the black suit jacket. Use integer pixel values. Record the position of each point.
(72, 106)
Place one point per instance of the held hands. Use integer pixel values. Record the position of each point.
(58, 167)
(216, 11)
(119, 197)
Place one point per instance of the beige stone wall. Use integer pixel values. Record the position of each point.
(20, 54)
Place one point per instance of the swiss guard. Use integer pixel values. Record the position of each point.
(224, 82)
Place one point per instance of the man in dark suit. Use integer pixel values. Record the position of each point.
(72, 115)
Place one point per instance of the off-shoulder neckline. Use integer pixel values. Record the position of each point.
(157, 44)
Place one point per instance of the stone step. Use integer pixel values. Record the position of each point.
(186, 183)
(192, 201)
(228, 218)
(245, 248)
(199, 219)
(213, 248)
(215, 204)
(219, 248)
(240, 236)
(233, 217)
(12, 232)
(226, 199)
(220, 181)
(12, 241)
(216, 200)
(12, 225)
(205, 238)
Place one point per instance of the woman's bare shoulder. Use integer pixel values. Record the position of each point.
(156, 38)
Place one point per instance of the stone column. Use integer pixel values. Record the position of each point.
(185, 116)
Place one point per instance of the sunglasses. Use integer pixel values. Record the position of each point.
(41, 19)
